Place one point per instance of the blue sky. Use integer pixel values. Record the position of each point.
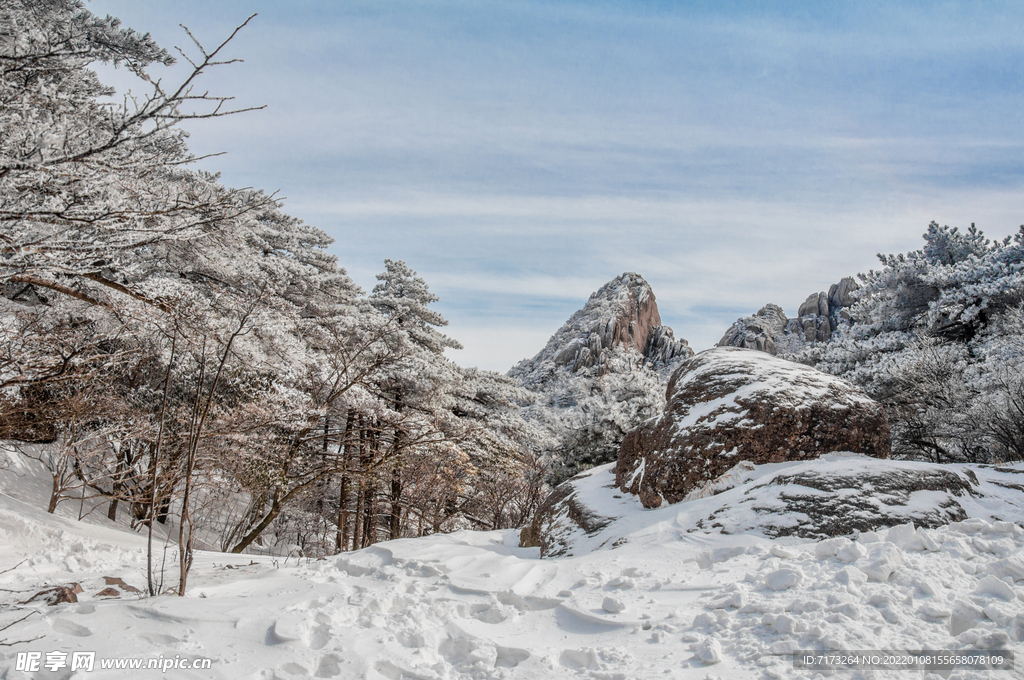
(520, 154)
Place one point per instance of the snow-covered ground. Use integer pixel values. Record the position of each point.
(667, 603)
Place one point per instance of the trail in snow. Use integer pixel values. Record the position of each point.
(667, 604)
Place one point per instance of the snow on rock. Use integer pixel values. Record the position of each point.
(757, 332)
(727, 405)
(600, 375)
(818, 317)
(840, 495)
(561, 519)
(623, 314)
(834, 498)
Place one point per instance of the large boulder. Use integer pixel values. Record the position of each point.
(841, 294)
(727, 405)
(843, 495)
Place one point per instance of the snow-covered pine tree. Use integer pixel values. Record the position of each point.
(933, 342)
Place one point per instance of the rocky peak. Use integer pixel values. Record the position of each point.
(818, 317)
(623, 313)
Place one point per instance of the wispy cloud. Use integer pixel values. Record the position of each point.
(520, 154)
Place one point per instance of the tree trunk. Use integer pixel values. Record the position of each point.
(369, 509)
(55, 495)
(370, 503)
(117, 485)
(275, 510)
(396, 507)
(395, 523)
(357, 528)
(357, 520)
(341, 538)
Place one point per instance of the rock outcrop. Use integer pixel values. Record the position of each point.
(838, 500)
(758, 331)
(838, 494)
(727, 405)
(622, 314)
(818, 317)
(562, 520)
(600, 375)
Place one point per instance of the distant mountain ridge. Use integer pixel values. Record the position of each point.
(601, 374)
(621, 315)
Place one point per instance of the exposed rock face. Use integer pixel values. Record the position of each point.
(838, 494)
(622, 314)
(662, 348)
(841, 294)
(758, 331)
(818, 317)
(726, 405)
(839, 502)
(561, 520)
(600, 375)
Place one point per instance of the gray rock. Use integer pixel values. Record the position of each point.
(751, 333)
(774, 315)
(838, 494)
(841, 294)
(567, 354)
(816, 304)
(838, 503)
(809, 325)
(824, 330)
(623, 313)
(663, 349)
(757, 332)
(819, 317)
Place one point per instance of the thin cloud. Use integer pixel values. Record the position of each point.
(521, 154)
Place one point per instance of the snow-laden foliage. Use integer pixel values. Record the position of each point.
(937, 340)
(588, 412)
(194, 353)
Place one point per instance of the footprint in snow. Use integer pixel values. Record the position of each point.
(329, 667)
(320, 636)
(160, 639)
(295, 669)
(70, 628)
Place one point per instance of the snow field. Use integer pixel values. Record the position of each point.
(647, 597)
(471, 605)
